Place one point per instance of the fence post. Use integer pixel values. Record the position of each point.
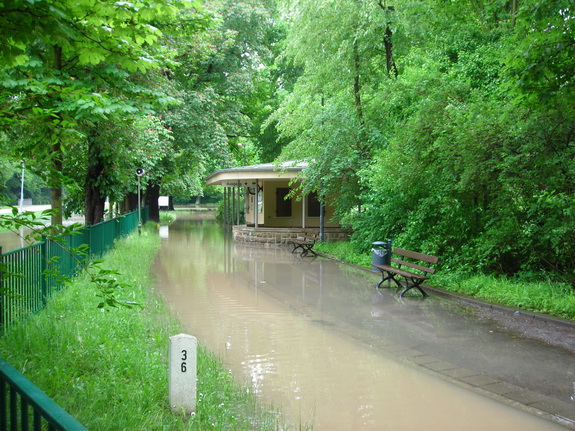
(1, 294)
(89, 242)
(43, 267)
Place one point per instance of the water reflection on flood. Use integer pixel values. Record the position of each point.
(300, 331)
(11, 241)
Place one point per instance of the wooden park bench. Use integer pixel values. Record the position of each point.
(417, 261)
(305, 243)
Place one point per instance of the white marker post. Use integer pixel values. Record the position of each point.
(183, 373)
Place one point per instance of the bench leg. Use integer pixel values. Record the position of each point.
(390, 276)
(310, 249)
(305, 249)
(296, 246)
(415, 284)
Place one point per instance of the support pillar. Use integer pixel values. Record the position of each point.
(303, 203)
(256, 206)
(321, 222)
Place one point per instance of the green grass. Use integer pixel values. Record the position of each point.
(108, 369)
(545, 296)
(345, 251)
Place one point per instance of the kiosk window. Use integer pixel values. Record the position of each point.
(312, 205)
(283, 206)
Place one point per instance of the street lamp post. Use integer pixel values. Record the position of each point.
(245, 189)
(22, 190)
(139, 173)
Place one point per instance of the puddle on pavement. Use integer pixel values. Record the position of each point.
(307, 335)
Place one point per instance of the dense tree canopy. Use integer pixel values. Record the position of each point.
(447, 126)
(77, 78)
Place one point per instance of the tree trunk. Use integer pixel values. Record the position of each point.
(56, 186)
(357, 85)
(361, 144)
(171, 203)
(389, 61)
(57, 161)
(131, 202)
(94, 202)
(152, 195)
(514, 6)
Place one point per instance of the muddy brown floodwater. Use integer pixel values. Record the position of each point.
(319, 342)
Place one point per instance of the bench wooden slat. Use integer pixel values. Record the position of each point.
(413, 265)
(400, 271)
(301, 241)
(414, 255)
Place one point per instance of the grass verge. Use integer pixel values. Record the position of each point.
(109, 368)
(545, 296)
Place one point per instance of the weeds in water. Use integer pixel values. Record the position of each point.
(167, 217)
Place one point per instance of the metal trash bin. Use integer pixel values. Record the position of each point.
(379, 254)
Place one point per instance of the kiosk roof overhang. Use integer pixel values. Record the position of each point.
(248, 175)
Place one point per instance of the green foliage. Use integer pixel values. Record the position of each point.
(167, 217)
(11, 183)
(220, 83)
(77, 78)
(466, 153)
(108, 159)
(68, 50)
(541, 65)
(94, 32)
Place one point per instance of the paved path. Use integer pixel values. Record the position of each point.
(520, 358)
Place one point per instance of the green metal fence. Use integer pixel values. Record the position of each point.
(23, 405)
(30, 276)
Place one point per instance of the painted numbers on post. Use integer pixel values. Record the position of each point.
(183, 373)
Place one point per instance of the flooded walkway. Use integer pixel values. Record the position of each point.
(317, 340)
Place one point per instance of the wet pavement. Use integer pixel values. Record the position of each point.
(491, 359)
(453, 341)
(246, 303)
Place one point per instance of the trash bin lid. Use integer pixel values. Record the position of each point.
(379, 243)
